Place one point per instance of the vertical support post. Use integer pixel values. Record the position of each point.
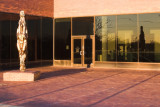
(41, 40)
(53, 40)
(93, 45)
(36, 47)
(138, 37)
(0, 42)
(116, 39)
(71, 45)
(10, 42)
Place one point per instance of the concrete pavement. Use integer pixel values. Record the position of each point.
(84, 87)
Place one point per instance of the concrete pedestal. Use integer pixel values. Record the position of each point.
(21, 76)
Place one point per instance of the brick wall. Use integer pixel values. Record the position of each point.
(74, 8)
(32, 7)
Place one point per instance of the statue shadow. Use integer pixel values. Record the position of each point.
(50, 74)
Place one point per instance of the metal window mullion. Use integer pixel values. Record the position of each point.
(138, 37)
(116, 36)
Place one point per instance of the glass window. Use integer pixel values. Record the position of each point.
(14, 50)
(47, 38)
(63, 39)
(34, 36)
(105, 38)
(38, 28)
(127, 38)
(82, 26)
(5, 38)
(149, 37)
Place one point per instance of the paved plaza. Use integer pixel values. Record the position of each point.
(84, 87)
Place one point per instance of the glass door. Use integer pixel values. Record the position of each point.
(78, 52)
(82, 51)
(88, 51)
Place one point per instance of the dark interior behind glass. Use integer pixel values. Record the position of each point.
(63, 39)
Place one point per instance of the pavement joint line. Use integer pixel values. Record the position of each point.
(13, 101)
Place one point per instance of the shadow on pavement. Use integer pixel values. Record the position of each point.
(62, 72)
(42, 103)
(123, 90)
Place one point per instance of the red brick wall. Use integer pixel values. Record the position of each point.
(74, 8)
(32, 7)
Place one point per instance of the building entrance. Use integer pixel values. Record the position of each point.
(82, 51)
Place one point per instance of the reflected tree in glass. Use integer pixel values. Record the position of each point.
(105, 34)
(127, 50)
(151, 29)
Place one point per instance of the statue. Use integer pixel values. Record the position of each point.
(22, 35)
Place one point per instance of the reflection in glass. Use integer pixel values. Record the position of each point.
(127, 38)
(63, 39)
(149, 42)
(105, 38)
(82, 26)
(141, 45)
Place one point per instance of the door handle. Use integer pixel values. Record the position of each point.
(80, 52)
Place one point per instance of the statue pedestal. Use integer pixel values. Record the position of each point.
(16, 75)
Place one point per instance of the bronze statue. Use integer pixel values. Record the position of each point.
(22, 35)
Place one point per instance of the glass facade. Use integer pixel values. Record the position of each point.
(128, 38)
(37, 37)
(117, 38)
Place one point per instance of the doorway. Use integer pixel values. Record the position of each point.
(82, 51)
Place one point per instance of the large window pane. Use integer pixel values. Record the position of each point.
(127, 38)
(105, 38)
(63, 39)
(5, 38)
(82, 26)
(34, 36)
(47, 38)
(149, 38)
(14, 50)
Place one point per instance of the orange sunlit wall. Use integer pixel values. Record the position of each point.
(74, 8)
(32, 7)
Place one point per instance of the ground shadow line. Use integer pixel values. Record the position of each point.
(9, 102)
(51, 74)
(123, 90)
